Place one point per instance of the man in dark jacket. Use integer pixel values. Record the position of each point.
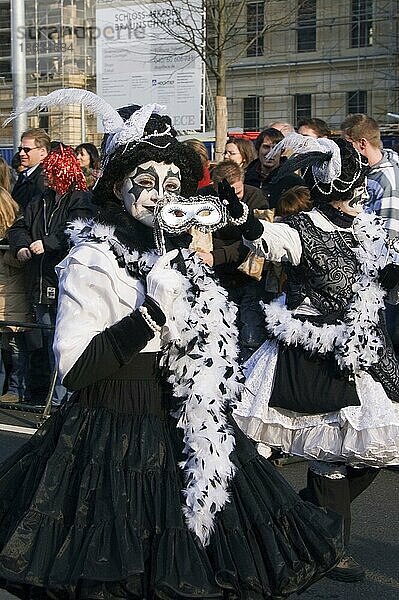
(262, 172)
(35, 146)
(39, 236)
(229, 253)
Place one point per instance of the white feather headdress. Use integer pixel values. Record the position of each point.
(120, 132)
(325, 172)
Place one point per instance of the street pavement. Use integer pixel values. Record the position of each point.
(375, 540)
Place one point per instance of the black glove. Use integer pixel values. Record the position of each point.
(389, 276)
(250, 227)
(227, 193)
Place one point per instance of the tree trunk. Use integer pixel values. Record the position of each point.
(220, 126)
(221, 100)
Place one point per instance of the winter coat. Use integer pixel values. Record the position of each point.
(13, 302)
(46, 219)
(27, 188)
(254, 177)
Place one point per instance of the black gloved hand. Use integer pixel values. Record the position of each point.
(389, 276)
(234, 206)
(250, 227)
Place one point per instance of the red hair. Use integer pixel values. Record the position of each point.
(62, 170)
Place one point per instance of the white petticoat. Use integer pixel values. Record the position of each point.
(362, 435)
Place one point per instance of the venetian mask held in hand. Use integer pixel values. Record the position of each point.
(177, 215)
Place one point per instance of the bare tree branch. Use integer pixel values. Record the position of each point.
(217, 11)
(217, 32)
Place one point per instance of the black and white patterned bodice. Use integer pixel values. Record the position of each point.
(327, 270)
(326, 274)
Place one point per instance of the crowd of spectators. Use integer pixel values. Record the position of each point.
(249, 279)
(50, 190)
(48, 185)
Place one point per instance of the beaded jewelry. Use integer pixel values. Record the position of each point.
(190, 210)
(338, 184)
(149, 320)
(120, 133)
(243, 219)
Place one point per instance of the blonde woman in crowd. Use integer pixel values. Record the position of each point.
(13, 303)
(5, 175)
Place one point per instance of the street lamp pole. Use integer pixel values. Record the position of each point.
(18, 66)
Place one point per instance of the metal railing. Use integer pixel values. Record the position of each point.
(45, 409)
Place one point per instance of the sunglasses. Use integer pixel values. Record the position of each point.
(26, 149)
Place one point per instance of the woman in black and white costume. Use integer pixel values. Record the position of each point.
(142, 486)
(325, 385)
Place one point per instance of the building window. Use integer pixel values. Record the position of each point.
(357, 102)
(362, 23)
(5, 42)
(303, 106)
(306, 31)
(5, 71)
(255, 25)
(251, 113)
(44, 122)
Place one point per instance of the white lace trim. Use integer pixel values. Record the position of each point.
(367, 434)
(120, 132)
(132, 130)
(375, 446)
(302, 144)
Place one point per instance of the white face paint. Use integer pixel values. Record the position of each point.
(354, 206)
(144, 186)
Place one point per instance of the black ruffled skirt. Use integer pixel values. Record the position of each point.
(90, 508)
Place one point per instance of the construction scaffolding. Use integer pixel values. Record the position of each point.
(59, 42)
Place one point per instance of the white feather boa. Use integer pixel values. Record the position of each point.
(356, 341)
(203, 370)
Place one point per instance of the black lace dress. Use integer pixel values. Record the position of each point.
(91, 505)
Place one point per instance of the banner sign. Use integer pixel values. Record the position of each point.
(141, 57)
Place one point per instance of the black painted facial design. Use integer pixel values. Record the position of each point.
(143, 187)
(359, 198)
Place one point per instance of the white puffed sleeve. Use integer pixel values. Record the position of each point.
(92, 297)
(278, 242)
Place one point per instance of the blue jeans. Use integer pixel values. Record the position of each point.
(14, 344)
(46, 315)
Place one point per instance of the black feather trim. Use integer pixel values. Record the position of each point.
(299, 162)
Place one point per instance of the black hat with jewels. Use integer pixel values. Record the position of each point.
(331, 169)
(133, 135)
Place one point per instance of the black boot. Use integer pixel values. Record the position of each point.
(347, 570)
